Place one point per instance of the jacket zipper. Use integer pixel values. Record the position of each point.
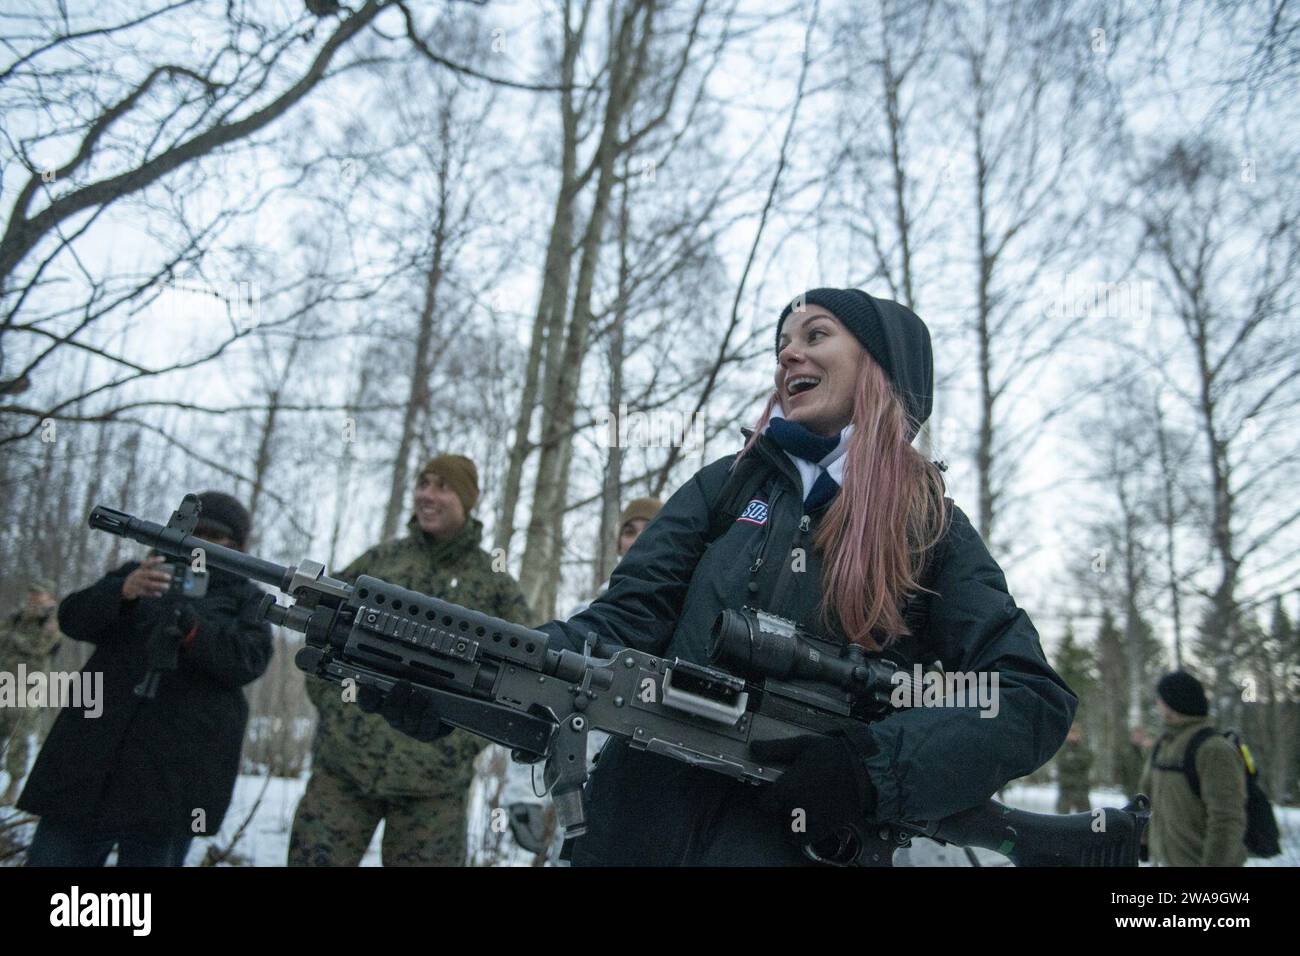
(782, 466)
(787, 568)
(767, 531)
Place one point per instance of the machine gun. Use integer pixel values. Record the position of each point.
(502, 681)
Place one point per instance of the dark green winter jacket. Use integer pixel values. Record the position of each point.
(1187, 830)
(663, 597)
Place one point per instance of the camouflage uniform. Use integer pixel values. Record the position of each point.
(1072, 764)
(27, 639)
(363, 770)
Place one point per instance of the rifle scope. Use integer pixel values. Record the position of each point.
(759, 644)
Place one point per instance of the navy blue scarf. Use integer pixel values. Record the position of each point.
(802, 443)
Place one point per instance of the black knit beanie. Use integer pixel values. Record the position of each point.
(222, 515)
(1183, 693)
(894, 336)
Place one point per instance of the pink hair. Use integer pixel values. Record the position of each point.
(889, 513)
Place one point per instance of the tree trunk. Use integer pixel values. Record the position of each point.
(559, 398)
(552, 301)
(343, 476)
(1169, 521)
(417, 396)
(606, 551)
(126, 491)
(94, 486)
(983, 332)
(262, 461)
(1223, 624)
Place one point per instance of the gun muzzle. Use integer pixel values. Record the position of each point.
(110, 520)
(175, 540)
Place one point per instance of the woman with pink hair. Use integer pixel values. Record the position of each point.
(843, 528)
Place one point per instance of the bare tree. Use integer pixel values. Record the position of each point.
(630, 57)
(235, 93)
(445, 178)
(1226, 264)
(1026, 94)
(552, 302)
(884, 197)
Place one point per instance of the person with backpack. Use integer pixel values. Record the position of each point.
(1196, 782)
(830, 518)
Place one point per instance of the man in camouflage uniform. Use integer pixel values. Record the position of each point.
(1072, 765)
(29, 637)
(364, 771)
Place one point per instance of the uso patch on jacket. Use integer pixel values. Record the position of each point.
(755, 512)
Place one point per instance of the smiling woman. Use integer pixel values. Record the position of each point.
(851, 530)
(854, 383)
(843, 529)
(818, 366)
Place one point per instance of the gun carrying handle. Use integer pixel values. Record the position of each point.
(726, 709)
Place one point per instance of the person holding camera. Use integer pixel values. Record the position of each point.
(154, 765)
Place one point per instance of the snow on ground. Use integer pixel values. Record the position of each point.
(265, 840)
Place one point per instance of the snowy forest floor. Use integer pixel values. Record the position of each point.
(265, 840)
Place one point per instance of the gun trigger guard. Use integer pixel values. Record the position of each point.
(848, 847)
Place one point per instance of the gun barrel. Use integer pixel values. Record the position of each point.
(177, 543)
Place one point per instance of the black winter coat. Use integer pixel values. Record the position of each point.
(649, 810)
(147, 765)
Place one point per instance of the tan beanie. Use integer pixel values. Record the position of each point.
(639, 508)
(460, 475)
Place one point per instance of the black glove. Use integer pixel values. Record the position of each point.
(827, 780)
(407, 708)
